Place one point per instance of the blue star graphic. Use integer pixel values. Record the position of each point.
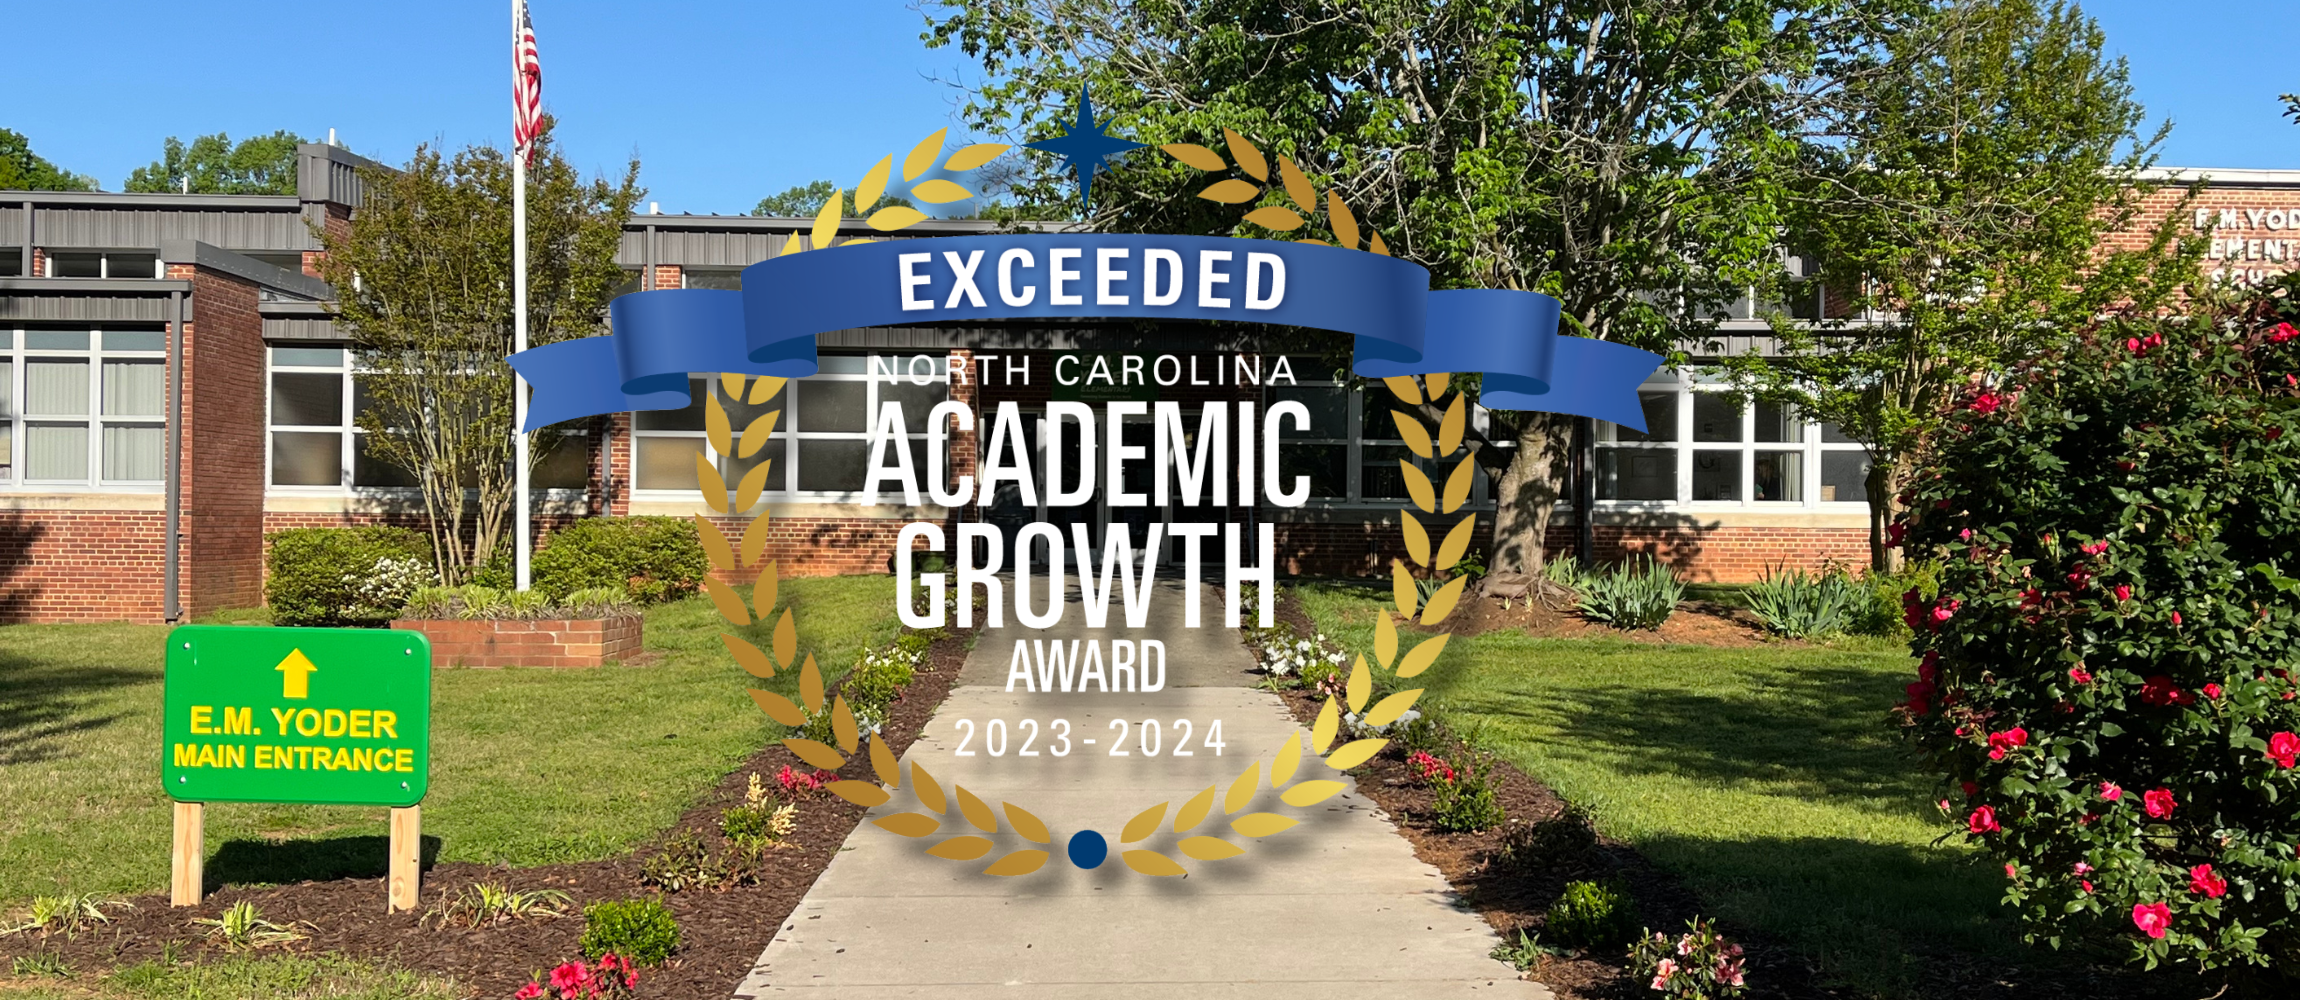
(1086, 145)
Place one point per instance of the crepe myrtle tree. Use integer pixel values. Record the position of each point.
(423, 283)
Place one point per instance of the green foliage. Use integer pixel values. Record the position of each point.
(213, 164)
(1802, 605)
(242, 927)
(879, 678)
(2108, 663)
(42, 964)
(1699, 964)
(1592, 915)
(1467, 804)
(23, 170)
(682, 864)
(344, 576)
(641, 930)
(273, 977)
(1882, 615)
(654, 559)
(1638, 593)
(68, 914)
(1526, 952)
(804, 201)
(492, 904)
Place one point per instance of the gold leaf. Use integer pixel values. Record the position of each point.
(1322, 732)
(976, 811)
(732, 384)
(1417, 540)
(1143, 824)
(1354, 753)
(786, 640)
(923, 785)
(882, 761)
(748, 656)
(861, 793)
(1289, 759)
(763, 592)
(1242, 790)
(1263, 824)
(1310, 793)
(873, 183)
(1418, 487)
(755, 436)
(1194, 811)
(810, 682)
(1437, 382)
(1195, 155)
(1457, 484)
(1403, 591)
(1360, 686)
(843, 726)
(1456, 542)
(714, 488)
(1341, 221)
(893, 217)
(765, 388)
(961, 848)
(1380, 247)
(714, 544)
(791, 245)
(815, 754)
(1298, 185)
(1277, 217)
(1404, 387)
(922, 155)
(1030, 827)
(729, 603)
(1422, 656)
(1315, 243)
(826, 223)
(1388, 710)
(974, 156)
(1209, 848)
(754, 481)
(754, 546)
(1152, 863)
(1231, 192)
(779, 708)
(939, 192)
(1441, 603)
(1385, 638)
(1417, 437)
(1249, 159)
(1018, 863)
(715, 424)
(908, 824)
(1456, 422)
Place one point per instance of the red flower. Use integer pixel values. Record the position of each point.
(2152, 918)
(2010, 739)
(2010, 871)
(1946, 609)
(2282, 332)
(531, 991)
(2123, 592)
(1983, 820)
(2079, 674)
(2176, 619)
(1920, 698)
(1894, 532)
(2284, 749)
(2159, 802)
(2159, 690)
(2212, 691)
(2132, 344)
(2087, 884)
(2095, 548)
(1970, 789)
(1987, 402)
(2079, 576)
(2202, 882)
(570, 979)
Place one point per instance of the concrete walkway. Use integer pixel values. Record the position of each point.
(1336, 907)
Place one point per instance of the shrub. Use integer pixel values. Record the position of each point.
(474, 602)
(878, 678)
(1465, 801)
(760, 820)
(344, 576)
(641, 930)
(1801, 605)
(1696, 965)
(1882, 615)
(2107, 672)
(654, 559)
(1639, 593)
(1592, 915)
(681, 865)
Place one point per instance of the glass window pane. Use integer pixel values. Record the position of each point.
(135, 340)
(832, 466)
(1636, 474)
(1831, 435)
(1779, 476)
(845, 364)
(741, 412)
(134, 388)
(1327, 465)
(75, 265)
(904, 366)
(7, 339)
(56, 451)
(1379, 478)
(1660, 407)
(1329, 408)
(687, 418)
(667, 463)
(1716, 417)
(630, 283)
(830, 406)
(734, 469)
(131, 265)
(307, 399)
(1778, 422)
(1716, 475)
(7, 451)
(7, 387)
(133, 452)
(729, 280)
(54, 386)
(370, 468)
(1844, 476)
(307, 459)
(56, 340)
(567, 466)
(308, 357)
(916, 400)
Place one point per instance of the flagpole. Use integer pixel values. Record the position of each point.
(520, 524)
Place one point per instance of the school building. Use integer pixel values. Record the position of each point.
(172, 388)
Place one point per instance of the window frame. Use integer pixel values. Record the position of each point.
(1810, 444)
(17, 351)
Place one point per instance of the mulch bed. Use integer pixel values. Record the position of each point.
(722, 932)
(1511, 874)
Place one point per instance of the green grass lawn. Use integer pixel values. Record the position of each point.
(253, 977)
(529, 766)
(1769, 778)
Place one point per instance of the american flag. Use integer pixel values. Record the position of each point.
(526, 88)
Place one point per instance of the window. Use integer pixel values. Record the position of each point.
(101, 264)
(1321, 452)
(821, 444)
(1705, 444)
(728, 279)
(82, 408)
(316, 397)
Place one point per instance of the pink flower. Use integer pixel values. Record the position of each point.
(1983, 820)
(2212, 691)
(2010, 739)
(2095, 548)
(2159, 690)
(1987, 402)
(531, 991)
(2202, 882)
(2079, 576)
(1946, 609)
(2152, 918)
(2123, 592)
(2284, 749)
(2282, 332)
(2110, 791)
(1662, 972)
(1729, 973)
(2083, 869)
(2176, 619)
(2079, 674)
(570, 978)
(1685, 944)
(2011, 871)
(2158, 802)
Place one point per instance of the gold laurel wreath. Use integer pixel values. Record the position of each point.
(1195, 811)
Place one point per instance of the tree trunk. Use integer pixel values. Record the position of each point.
(1884, 483)
(1525, 495)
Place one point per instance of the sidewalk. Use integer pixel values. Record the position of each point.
(1336, 907)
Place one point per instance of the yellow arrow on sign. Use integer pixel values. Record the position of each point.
(295, 675)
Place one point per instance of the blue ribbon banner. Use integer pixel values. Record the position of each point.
(1401, 326)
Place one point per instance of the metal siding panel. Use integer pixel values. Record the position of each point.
(75, 308)
(12, 225)
(83, 227)
(300, 329)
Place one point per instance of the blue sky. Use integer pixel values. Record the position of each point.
(727, 102)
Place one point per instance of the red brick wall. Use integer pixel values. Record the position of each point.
(2255, 229)
(1725, 554)
(224, 441)
(541, 643)
(81, 566)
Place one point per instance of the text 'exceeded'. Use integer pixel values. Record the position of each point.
(1160, 277)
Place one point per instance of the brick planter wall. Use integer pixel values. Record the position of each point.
(545, 642)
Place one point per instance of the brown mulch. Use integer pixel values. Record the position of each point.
(721, 932)
(1696, 623)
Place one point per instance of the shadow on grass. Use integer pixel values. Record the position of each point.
(266, 862)
(40, 704)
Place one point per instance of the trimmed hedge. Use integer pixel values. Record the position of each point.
(653, 559)
(344, 576)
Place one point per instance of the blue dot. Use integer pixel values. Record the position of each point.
(1088, 849)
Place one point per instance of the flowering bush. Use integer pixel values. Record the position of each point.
(801, 785)
(1430, 769)
(1698, 965)
(1291, 660)
(2107, 673)
(610, 976)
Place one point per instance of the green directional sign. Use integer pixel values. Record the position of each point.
(322, 715)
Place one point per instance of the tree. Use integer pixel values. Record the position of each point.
(804, 201)
(1626, 156)
(23, 170)
(1967, 204)
(423, 285)
(212, 164)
